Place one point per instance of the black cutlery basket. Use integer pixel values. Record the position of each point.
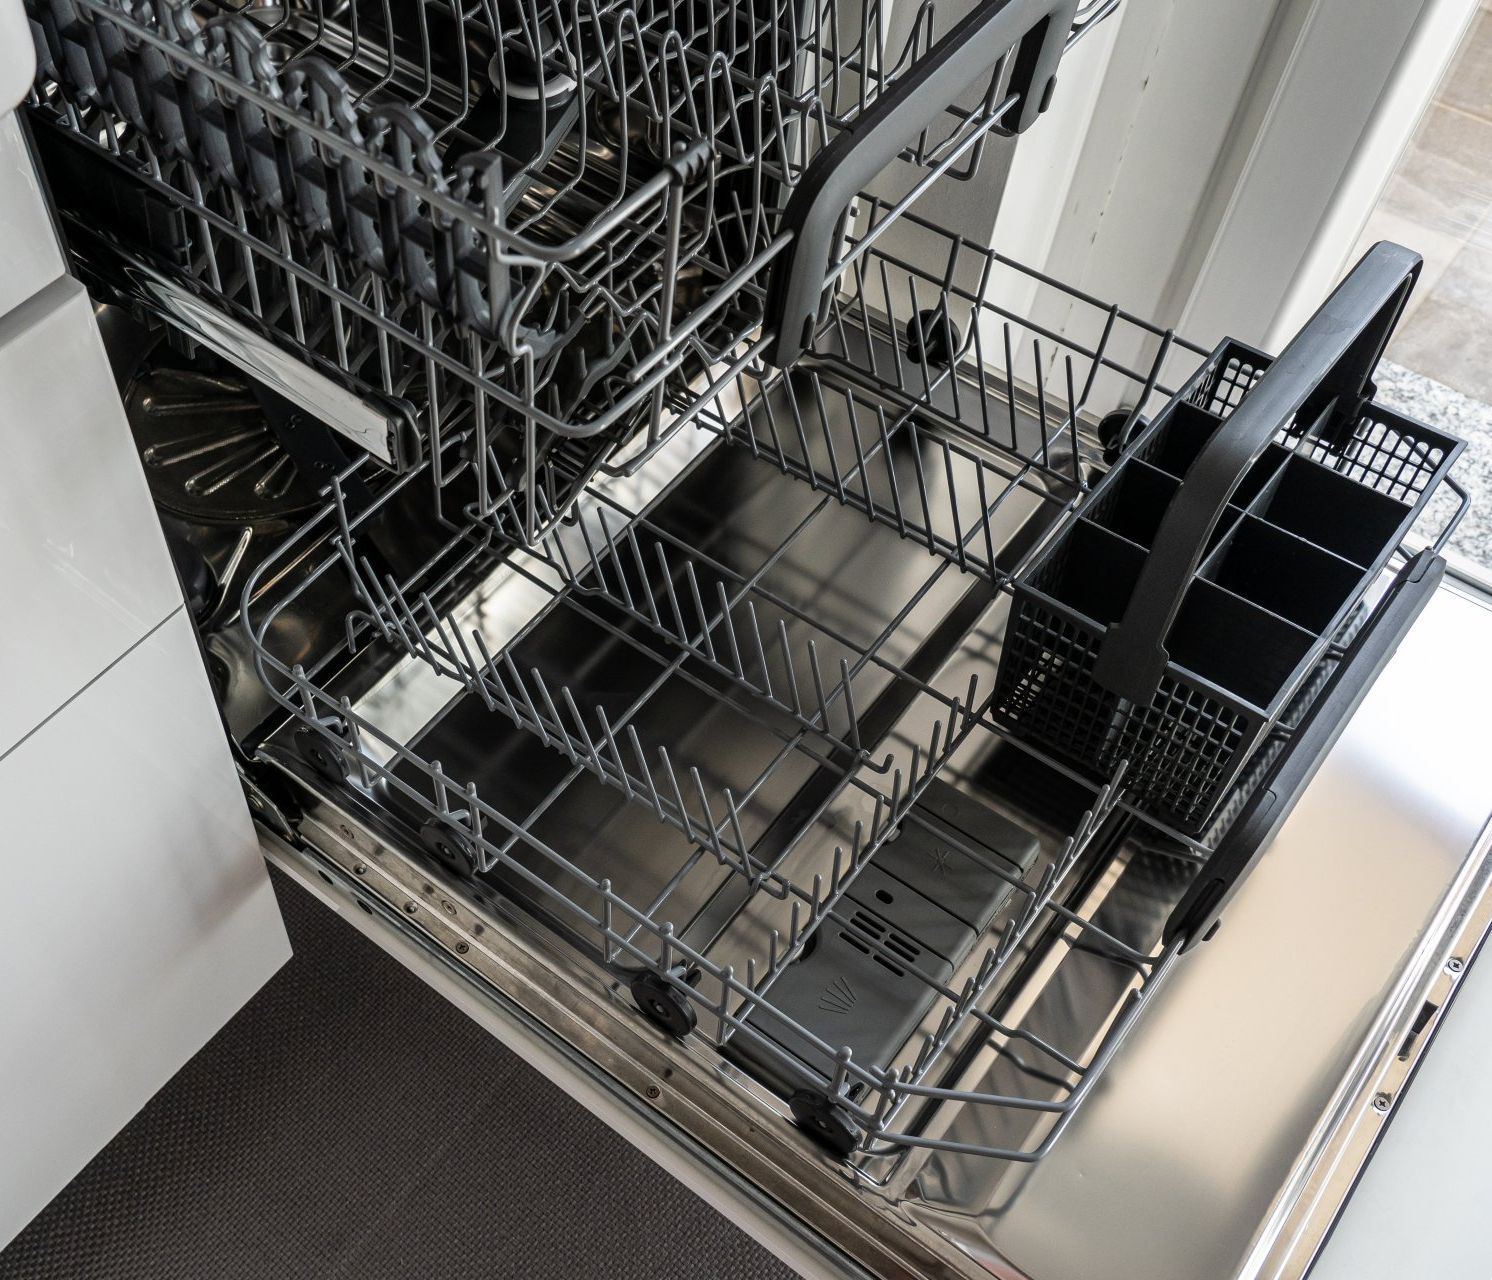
(1172, 620)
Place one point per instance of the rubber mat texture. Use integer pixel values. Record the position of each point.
(349, 1123)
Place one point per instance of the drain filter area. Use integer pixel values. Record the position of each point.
(875, 964)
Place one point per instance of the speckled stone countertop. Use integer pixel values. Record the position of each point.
(1442, 407)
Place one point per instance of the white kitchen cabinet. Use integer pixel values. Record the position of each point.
(141, 914)
(82, 559)
(32, 257)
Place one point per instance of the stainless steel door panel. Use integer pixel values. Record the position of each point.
(1186, 1162)
(1420, 1208)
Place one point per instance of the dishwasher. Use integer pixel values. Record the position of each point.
(707, 613)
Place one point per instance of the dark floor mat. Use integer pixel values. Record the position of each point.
(350, 1124)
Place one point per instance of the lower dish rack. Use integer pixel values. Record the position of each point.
(732, 726)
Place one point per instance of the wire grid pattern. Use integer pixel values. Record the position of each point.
(1386, 452)
(936, 451)
(900, 456)
(1046, 675)
(731, 1004)
(1229, 380)
(711, 618)
(364, 184)
(1186, 745)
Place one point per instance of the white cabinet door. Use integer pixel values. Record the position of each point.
(139, 916)
(84, 569)
(32, 256)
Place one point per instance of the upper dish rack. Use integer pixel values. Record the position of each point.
(949, 456)
(530, 229)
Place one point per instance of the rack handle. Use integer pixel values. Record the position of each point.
(1194, 918)
(1325, 367)
(1035, 31)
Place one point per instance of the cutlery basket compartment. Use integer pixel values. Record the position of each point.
(1333, 511)
(1217, 562)
(1310, 595)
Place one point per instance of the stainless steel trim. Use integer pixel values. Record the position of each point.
(1327, 1173)
(361, 422)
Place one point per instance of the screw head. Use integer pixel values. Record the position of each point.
(1455, 964)
(462, 948)
(653, 1092)
(360, 869)
(410, 908)
(1381, 1102)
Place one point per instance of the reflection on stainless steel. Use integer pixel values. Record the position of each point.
(506, 601)
(851, 577)
(209, 451)
(1213, 1118)
(358, 418)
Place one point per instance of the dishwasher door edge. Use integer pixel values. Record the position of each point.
(1308, 1207)
(1323, 1181)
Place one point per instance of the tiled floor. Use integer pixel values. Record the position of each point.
(1439, 203)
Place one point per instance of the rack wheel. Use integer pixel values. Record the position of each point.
(1111, 428)
(663, 1003)
(317, 750)
(453, 849)
(931, 337)
(827, 1123)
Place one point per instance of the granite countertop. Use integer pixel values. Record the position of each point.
(1443, 407)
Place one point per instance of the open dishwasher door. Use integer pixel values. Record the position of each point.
(1236, 1118)
(807, 700)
